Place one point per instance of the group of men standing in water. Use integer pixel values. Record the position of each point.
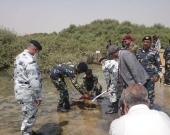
(127, 64)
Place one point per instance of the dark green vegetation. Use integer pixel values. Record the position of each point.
(76, 43)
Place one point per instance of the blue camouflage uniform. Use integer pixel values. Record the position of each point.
(27, 88)
(91, 85)
(58, 72)
(166, 56)
(151, 62)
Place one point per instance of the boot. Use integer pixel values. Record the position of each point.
(61, 108)
(111, 111)
(67, 104)
(34, 133)
(114, 108)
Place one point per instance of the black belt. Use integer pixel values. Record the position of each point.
(24, 82)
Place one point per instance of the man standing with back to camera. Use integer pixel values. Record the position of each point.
(28, 86)
(138, 118)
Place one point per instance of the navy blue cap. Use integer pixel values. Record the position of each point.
(36, 44)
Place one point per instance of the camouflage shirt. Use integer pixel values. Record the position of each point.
(110, 67)
(66, 70)
(132, 48)
(166, 54)
(150, 60)
(27, 77)
(90, 83)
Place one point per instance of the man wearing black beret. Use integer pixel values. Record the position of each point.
(27, 85)
(149, 58)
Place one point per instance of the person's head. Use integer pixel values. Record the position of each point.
(155, 38)
(34, 47)
(147, 41)
(127, 39)
(82, 67)
(113, 51)
(110, 42)
(88, 73)
(123, 43)
(102, 60)
(134, 95)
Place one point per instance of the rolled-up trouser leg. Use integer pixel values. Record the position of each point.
(29, 110)
(149, 85)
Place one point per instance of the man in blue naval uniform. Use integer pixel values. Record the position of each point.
(150, 60)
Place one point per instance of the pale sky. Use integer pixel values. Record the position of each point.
(40, 16)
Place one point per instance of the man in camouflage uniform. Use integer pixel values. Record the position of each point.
(28, 86)
(114, 86)
(130, 46)
(150, 60)
(90, 84)
(167, 65)
(58, 72)
(107, 47)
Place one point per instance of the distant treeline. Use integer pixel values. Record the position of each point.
(75, 43)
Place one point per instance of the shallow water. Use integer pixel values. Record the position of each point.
(79, 121)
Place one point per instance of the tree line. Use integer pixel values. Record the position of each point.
(75, 43)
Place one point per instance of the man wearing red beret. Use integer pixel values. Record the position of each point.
(129, 44)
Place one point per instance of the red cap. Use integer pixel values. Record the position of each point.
(127, 37)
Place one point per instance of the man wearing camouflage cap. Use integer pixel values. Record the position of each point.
(149, 58)
(27, 85)
(130, 69)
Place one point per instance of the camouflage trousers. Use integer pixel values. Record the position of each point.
(63, 92)
(149, 85)
(115, 92)
(167, 72)
(29, 110)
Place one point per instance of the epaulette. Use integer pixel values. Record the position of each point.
(139, 49)
(153, 49)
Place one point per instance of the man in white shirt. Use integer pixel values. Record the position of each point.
(156, 43)
(138, 118)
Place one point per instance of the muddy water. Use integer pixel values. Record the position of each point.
(79, 121)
